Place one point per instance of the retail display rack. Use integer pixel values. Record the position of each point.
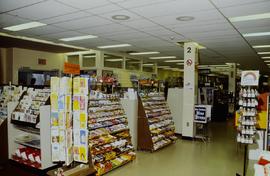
(28, 126)
(248, 109)
(267, 137)
(155, 125)
(109, 137)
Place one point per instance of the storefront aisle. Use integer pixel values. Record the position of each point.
(187, 158)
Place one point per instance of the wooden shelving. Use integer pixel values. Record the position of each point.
(155, 125)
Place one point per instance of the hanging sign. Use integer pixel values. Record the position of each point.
(250, 78)
(189, 62)
(71, 68)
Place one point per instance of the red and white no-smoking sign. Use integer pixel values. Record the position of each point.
(189, 62)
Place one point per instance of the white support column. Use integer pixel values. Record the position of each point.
(232, 83)
(190, 88)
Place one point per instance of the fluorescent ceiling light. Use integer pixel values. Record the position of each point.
(114, 60)
(114, 46)
(148, 64)
(174, 61)
(163, 57)
(145, 53)
(89, 56)
(179, 63)
(24, 26)
(261, 46)
(263, 52)
(83, 37)
(257, 34)
(250, 17)
(267, 61)
(163, 66)
(267, 57)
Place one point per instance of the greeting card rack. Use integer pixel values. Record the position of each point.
(155, 125)
(28, 145)
(109, 138)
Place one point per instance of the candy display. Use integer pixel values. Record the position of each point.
(109, 138)
(158, 117)
(248, 110)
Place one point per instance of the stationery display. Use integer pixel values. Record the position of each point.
(248, 110)
(61, 120)
(155, 125)
(28, 156)
(27, 111)
(9, 94)
(80, 114)
(109, 138)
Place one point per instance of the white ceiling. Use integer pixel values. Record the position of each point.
(152, 25)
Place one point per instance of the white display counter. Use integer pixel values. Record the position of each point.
(131, 110)
(175, 102)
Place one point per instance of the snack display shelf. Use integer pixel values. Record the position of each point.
(154, 121)
(109, 137)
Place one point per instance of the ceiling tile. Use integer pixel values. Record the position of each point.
(105, 9)
(114, 29)
(247, 9)
(9, 5)
(120, 12)
(228, 3)
(9, 20)
(253, 26)
(173, 8)
(82, 23)
(43, 30)
(66, 17)
(85, 4)
(60, 35)
(40, 11)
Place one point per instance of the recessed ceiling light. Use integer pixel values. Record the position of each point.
(263, 52)
(174, 61)
(267, 57)
(261, 46)
(114, 46)
(185, 18)
(83, 37)
(145, 53)
(114, 60)
(120, 17)
(163, 57)
(250, 17)
(256, 34)
(24, 26)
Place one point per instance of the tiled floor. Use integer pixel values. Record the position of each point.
(191, 158)
(219, 157)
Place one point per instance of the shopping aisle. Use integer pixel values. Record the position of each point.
(219, 157)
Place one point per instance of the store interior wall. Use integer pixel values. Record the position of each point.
(164, 74)
(6, 62)
(29, 58)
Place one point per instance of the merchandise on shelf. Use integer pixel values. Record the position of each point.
(109, 138)
(161, 129)
(27, 111)
(80, 114)
(28, 156)
(61, 120)
(9, 94)
(248, 110)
